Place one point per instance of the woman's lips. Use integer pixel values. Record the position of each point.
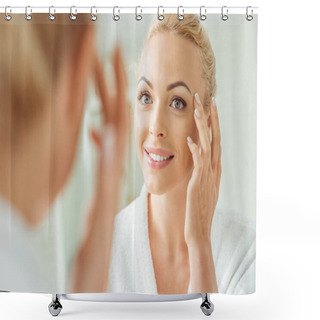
(156, 155)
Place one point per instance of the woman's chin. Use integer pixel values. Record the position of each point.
(156, 188)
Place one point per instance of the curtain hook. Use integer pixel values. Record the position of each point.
(116, 17)
(138, 16)
(249, 17)
(6, 15)
(203, 16)
(224, 16)
(52, 16)
(73, 16)
(93, 17)
(28, 16)
(160, 16)
(180, 15)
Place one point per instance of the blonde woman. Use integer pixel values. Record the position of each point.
(45, 70)
(162, 240)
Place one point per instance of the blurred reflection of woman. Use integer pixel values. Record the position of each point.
(162, 240)
(44, 74)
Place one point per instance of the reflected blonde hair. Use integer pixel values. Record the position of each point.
(190, 28)
(31, 56)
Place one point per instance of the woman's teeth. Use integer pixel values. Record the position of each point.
(156, 157)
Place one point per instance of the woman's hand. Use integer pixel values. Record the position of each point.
(91, 267)
(202, 197)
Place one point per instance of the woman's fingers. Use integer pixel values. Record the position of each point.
(101, 85)
(197, 161)
(114, 108)
(121, 104)
(216, 138)
(121, 85)
(203, 129)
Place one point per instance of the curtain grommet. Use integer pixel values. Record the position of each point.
(160, 16)
(180, 15)
(249, 17)
(138, 16)
(203, 16)
(28, 16)
(73, 16)
(52, 17)
(93, 17)
(224, 13)
(7, 16)
(116, 17)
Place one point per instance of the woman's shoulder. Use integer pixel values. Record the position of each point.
(125, 217)
(121, 273)
(233, 225)
(125, 214)
(234, 249)
(128, 211)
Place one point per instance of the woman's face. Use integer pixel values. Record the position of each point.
(169, 75)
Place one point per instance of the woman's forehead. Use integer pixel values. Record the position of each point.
(170, 57)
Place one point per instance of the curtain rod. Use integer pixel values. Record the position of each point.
(128, 9)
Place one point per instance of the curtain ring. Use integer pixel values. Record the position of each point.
(52, 16)
(115, 17)
(249, 17)
(28, 16)
(6, 15)
(224, 16)
(160, 16)
(203, 16)
(93, 17)
(73, 16)
(180, 15)
(138, 16)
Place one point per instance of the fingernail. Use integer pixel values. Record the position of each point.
(189, 140)
(197, 99)
(197, 113)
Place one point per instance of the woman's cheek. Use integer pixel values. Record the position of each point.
(138, 132)
(141, 130)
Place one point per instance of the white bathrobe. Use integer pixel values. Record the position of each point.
(22, 266)
(131, 268)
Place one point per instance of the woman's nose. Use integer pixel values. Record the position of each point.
(157, 126)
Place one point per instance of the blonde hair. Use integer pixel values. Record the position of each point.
(190, 28)
(31, 56)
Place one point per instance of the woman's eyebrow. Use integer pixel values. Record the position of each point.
(177, 84)
(147, 81)
(169, 87)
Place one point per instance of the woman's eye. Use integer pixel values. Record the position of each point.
(178, 104)
(145, 98)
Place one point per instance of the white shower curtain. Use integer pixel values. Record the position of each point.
(51, 203)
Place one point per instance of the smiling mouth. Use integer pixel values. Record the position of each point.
(158, 158)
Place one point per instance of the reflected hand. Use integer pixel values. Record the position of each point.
(92, 265)
(111, 142)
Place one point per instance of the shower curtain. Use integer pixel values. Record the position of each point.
(128, 152)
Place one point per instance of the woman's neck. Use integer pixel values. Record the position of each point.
(166, 218)
(24, 175)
